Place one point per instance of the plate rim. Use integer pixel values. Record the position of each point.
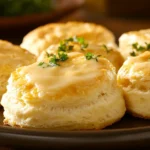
(68, 139)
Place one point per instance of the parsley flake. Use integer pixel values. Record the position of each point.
(81, 41)
(54, 60)
(106, 48)
(70, 47)
(41, 64)
(62, 56)
(90, 56)
(65, 44)
(62, 50)
(96, 58)
(140, 48)
(83, 46)
(62, 46)
(69, 40)
(133, 53)
(148, 46)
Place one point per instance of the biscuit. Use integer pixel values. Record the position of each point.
(134, 78)
(134, 43)
(11, 57)
(41, 38)
(74, 95)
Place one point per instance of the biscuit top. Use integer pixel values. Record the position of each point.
(105, 51)
(41, 38)
(140, 65)
(135, 72)
(102, 50)
(129, 39)
(134, 35)
(141, 37)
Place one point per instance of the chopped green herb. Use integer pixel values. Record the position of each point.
(148, 45)
(70, 47)
(133, 53)
(81, 41)
(62, 47)
(106, 48)
(54, 61)
(62, 56)
(83, 46)
(69, 40)
(89, 56)
(138, 47)
(41, 64)
(96, 58)
(135, 45)
(48, 55)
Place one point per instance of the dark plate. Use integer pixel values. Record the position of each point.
(130, 132)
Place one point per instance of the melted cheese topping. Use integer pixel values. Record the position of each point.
(76, 70)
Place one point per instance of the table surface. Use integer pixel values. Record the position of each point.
(117, 25)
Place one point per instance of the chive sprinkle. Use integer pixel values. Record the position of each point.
(139, 48)
(90, 56)
(133, 54)
(64, 47)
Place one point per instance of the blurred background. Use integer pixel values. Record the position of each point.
(18, 17)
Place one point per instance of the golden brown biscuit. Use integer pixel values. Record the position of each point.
(11, 57)
(134, 78)
(41, 38)
(70, 95)
(134, 43)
